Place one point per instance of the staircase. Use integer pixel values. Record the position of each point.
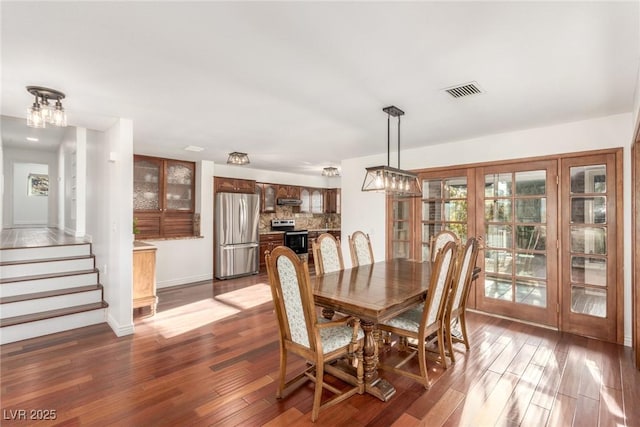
(48, 289)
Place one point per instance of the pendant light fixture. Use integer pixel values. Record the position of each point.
(393, 181)
(42, 112)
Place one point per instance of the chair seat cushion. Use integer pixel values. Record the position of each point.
(336, 337)
(409, 320)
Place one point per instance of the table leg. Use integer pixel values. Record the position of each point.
(378, 387)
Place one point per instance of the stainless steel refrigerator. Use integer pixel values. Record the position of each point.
(237, 241)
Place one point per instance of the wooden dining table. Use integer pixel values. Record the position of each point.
(373, 293)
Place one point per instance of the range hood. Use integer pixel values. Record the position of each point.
(289, 202)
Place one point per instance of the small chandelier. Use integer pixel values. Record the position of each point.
(237, 158)
(330, 171)
(43, 112)
(393, 181)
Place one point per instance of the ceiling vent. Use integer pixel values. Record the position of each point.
(465, 89)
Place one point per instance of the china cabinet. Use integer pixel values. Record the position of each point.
(163, 197)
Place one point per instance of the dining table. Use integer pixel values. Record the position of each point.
(373, 293)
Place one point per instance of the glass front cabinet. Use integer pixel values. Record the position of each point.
(163, 197)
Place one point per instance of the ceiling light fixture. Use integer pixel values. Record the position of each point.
(393, 181)
(330, 171)
(237, 158)
(41, 112)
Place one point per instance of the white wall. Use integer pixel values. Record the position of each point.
(601, 133)
(115, 182)
(13, 156)
(29, 210)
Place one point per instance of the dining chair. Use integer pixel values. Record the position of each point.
(303, 333)
(438, 241)
(327, 254)
(360, 249)
(419, 322)
(457, 304)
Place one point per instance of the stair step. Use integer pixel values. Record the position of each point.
(48, 294)
(55, 301)
(34, 317)
(15, 269)
(38, 282)
(39, 324)
(44, 252)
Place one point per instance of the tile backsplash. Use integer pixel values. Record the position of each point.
(304, 221)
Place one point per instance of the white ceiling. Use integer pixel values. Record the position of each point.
(301, 85)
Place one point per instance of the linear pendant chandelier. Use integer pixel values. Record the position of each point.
(392, 181)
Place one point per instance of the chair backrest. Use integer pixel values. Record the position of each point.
(327, 254)
(439, 240)
(464, 275)
(360, 248)
(292, 296)
(441, 275)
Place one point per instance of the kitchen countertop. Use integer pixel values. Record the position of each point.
(319, 230)
(139, 245)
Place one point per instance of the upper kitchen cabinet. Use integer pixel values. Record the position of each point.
(316, 200)
(332, 200)
(305, 197)
(268, 193)
(288, 192)
(163, 201)
(233, 185)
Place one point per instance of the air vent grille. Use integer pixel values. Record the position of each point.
(465, 89)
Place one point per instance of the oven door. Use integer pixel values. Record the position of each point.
(298, 241)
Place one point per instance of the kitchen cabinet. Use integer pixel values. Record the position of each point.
(163, 197)
(317, 202)
(331, 200)
(144, 276)
(233, 185)
(288, 192)
(268, 193)
(268, 242)
(305, 197)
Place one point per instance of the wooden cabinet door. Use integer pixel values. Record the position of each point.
(224, 185)
(179, 185)
(269, 194)
(330, 200)
(288, 192)
(245, 186)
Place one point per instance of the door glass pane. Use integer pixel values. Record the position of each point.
(497, 288)
(531, 292)
(400, 230)
(400, 210)
(531, 183)
(496, 185)
(589, 179)
(589, 240)
(432, 211)
(531, 210)
(455, 210)
(590, 301)
(179, 178)
(531, 237)
(455, 188)
(497, 262)
(497, 210)
(400, 250)
(588, 210)
(589, 270)
(499, 236)
(531, 265)
(431, 189)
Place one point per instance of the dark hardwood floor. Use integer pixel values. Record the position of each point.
(210, 357)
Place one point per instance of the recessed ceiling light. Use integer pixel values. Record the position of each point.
(193, 148)
(32, 139)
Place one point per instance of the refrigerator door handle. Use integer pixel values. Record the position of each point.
(245, 245)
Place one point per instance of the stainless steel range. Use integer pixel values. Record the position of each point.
(297, 240)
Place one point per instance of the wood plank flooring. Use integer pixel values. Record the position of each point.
(210, 357)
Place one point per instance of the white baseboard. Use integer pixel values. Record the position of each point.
(183, 281)
(119, 330)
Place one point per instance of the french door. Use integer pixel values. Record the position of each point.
(518, 212)
(589, 246)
